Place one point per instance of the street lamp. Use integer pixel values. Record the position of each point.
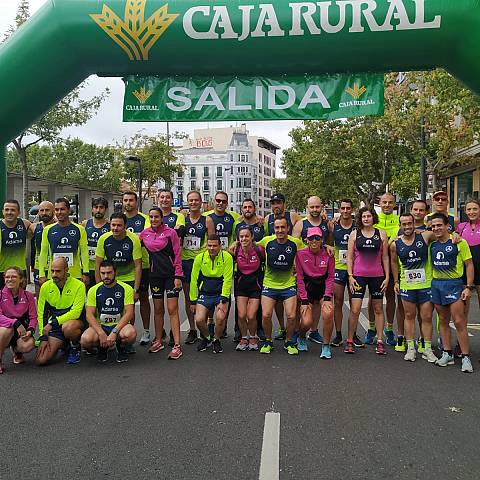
(138, 161)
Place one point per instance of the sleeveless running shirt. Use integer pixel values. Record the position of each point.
(271, 221)
(13, 246)
(93, 234)
(367, 260)
(306, 224)
(195, 237)
(223, 227)
(258, 230)
(340, 241)
(414, 262)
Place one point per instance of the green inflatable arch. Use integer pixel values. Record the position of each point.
(68, 40)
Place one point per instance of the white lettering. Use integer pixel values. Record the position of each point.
(420, 22)
(221, 19)
(367, 13)
(325, 18)
(314, 94)
(297, 16)
(258, 97)
(186, 102)
(214, 101)
(188, 24)
(245, 9)
(232, 100)
(268, 18)
(272, 97)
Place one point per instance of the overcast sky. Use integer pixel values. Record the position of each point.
(107, 126)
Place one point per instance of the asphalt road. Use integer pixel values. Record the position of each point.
(203, 416)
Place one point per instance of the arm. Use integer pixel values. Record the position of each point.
(29, 227)
(394, 266)
(301, 289)
(385, 259)
(227, 275)
(350, 252)
(194, 279)
(138, 274)
(92, 320)
(295, 218)
(44, 252)
(77, 307)
(210, 226)
(32, 313)
(330, 278)
(177, 262)
(297, 229)
(83, 246)
(99, 256)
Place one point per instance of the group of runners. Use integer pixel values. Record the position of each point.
(88, 277)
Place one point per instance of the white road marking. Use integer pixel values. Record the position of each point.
(185, 326)
(270, 459)
(452, 326)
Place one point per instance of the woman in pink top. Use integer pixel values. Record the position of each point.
(470, 231)
(249, 265)
(18, 317)
(315, 270)
(367, 265)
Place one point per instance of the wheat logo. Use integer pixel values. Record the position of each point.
(135, 35)
(356, 92)
(143, 95)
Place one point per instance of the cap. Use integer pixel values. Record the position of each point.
(277, 196)
(440, 192)
(314, 231)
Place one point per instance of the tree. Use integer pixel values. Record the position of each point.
(71, 111)
(158, 160)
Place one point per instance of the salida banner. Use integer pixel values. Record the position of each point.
(154, 99)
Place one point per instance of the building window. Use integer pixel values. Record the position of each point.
(219, 185)
(239, 196)
(247, 182)
(219, 171)
(206, 185)
(206, 171)
(259, 169)
(231, 157)
(231, 184)
(239, 182)
(193, 185)
(193, 173)
(206, 197)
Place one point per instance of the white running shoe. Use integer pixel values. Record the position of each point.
(429, 356)
(467, 365)
(145, 340)
(445, 360)
(411, 355)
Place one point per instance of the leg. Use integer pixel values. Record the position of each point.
(172, 307)
(268, 304)
(128, 335)
(457, 311)
(25, 346)
(47, 351)
(444, 317)
(339, 296)
(306, 320)
(400, 313)
(280, 315)
(158, 317)
(290, 305)
(252, 309)
(355, 308)
(89, 338)
(242, 305)
(220, 322)
(6, 335)
(391, 306)
(72, 330)
(327, 315)
(426, 312)
(410, 309)
(201, 314)
(191, 319)
(145, 310)
(377, 304)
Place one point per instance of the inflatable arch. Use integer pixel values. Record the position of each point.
(68, 40)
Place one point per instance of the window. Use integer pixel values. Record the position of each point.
(259, 158)
(193, 173)
(206, 185)
(259, 169)
(220, 172)
(193, 185)
(231, 184)
(239, 196)
(247, 182)
(231, 157)
(206, 197)
(180, 174)
(206, 171)
(239, 182)
(219, 185)
(239, 158)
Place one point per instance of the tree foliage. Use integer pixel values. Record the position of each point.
(359, 157)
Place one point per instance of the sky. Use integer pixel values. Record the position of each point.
(107, 126)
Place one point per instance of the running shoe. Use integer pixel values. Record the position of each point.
(302, 345)
(401, 344)
(445, 360)
(314, 336)
(390, 337)
(349, 347)
(420, 345)
(267, 347)
(237, 336)
(291, 348)
(326, 352)
(73, 354)
(217, 346)
(102, 355)
(130, 349)
(429, 356)
(281, 334)
(204, 344)
(253, 343)
(242, 345)
(192, 337)
(122, 353)
(156, 346)
(261, 334)
(457, 351)
(145, 340)
(176, 353)
(357, 342)
(370, 336)
(171, 341)
(410, 356)
(89, 352)
(338, 340)
(380, 349)
(17, 357)
(211, 329)
(467, 366)
(224, 333)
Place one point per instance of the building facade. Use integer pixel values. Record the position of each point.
(226, 159)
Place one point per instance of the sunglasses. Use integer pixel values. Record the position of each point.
(218, 200)
(441, 199)
(314, 237)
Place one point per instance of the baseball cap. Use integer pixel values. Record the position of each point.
(277, 196)
(440, 192)
(314, 231)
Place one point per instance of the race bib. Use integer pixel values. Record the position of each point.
(342, 256)
(109, 318)
(224, 242)
(191, 243)
(67, 256)
(415, 276)
(92, 253)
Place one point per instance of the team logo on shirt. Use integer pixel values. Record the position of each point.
(156, 289)
(375, 237)
(19, 227)
(200, 226)
(368, 242)
(227, 219)
(440, 256)
(172, 219)
(126, 246)
(64, 240)
(130, 229)
(281, 258)
(256, 229)
(118, 295)
(419, 244)
(346, 236)
(288, 250)
(94, 234)
(109, 302)
(191, 230)
(448, 248)
(220, 227)
(118, 254)
(12, 235)
(138, 223)
(412, 253)
(72, 233)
